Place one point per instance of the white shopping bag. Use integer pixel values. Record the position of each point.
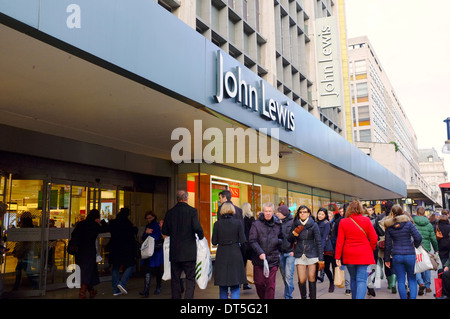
(166, 255)
(147, 247)
(203, 266)
(423, 261)
(266, 268)
(166, 248)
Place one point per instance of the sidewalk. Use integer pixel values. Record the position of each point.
(212, 292)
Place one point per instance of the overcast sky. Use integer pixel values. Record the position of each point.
(412, 41)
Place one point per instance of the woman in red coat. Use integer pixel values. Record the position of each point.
(355, 244)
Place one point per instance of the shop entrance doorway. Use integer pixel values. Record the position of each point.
(39, 218)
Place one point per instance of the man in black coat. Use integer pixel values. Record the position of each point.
(225, 197)
(181, 224)
(122, 248)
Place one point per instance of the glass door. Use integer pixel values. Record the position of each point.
(59, 221)
(107, 205)
(67, 205)
(23, 237)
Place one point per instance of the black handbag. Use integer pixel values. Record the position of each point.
(73, 246)
(159, 243)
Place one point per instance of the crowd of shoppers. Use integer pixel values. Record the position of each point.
(293, 241)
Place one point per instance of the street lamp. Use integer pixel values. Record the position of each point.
(446, 147)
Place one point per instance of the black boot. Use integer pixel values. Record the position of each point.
(321, 276)
(146, 290)
(312, 290)
(302, 288)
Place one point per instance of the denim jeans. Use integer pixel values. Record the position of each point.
(116, 279)
(403, 266)
(287, 268)
(424, 278)
(235, 292)
(358, 280)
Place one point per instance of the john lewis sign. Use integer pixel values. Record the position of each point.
(232, 85)
(328, 66)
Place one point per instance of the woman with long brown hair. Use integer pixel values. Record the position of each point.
(308, 250)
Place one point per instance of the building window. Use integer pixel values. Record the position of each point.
(363, 115)
(360, 70)
(365, 136)
(362, 94)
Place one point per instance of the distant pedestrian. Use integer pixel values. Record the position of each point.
(181, 224)
(153, 266)
(247, 250)
(225, 197)
(308, 252)
(86, 232)
(287, 259)
(356, 242)
(24, 251)
(433, 220)
(444, 244)
(372, 268)
(265, 239)
(229, 267)
(122, 250)
(399, 231)
(446, 280)
(428, 241)
(380, 230)
(327, 246)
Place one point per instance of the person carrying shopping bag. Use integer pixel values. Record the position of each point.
(360, 239)
(399, 230)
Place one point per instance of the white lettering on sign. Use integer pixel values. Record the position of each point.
(328, 66)
(230, 84)
(74, 19)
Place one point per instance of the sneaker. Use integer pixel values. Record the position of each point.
(371, 292)
(123, 290)
(348, 292)
(117, 293)
(428, 290)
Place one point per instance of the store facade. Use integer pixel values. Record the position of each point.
(88, 117)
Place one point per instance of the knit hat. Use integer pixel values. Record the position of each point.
(283, 209)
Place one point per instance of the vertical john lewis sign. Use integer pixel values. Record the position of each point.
(328, 66)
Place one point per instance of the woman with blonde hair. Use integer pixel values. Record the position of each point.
(228, 234)
(360, 238)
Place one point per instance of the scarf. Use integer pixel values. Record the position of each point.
(303, 222)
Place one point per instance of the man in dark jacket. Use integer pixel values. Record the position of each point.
(225, 197)
(181, 224)
(265, 239)
(122, 250)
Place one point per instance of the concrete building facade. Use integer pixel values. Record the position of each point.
(381, 127)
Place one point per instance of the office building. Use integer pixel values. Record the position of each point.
(381, 127)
